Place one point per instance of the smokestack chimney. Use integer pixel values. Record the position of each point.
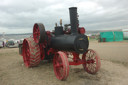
(73, 20)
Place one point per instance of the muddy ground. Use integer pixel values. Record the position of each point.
(114, 68)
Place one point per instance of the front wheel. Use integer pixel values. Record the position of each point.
(61, 65)
(92, 61)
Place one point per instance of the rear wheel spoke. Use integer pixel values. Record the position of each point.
(39, 33)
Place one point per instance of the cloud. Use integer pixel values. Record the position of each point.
(18, 16)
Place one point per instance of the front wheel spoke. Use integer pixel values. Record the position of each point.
(92, 56)
(93, 69)
(61, 72)
(58, 65)
(88, 67)
(87, 57)
(89, 61)
(94, 65)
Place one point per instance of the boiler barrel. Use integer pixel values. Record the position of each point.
(77, 43)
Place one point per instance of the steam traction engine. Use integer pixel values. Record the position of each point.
(59, 46)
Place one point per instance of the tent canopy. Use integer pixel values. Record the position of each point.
(111, 36)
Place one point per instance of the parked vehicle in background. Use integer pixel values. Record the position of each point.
(12, 43)
(1, 44)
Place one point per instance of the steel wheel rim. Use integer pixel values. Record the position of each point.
(26, 54)
(92, 61)
(36, 33)
(61, 65)
(58, 66)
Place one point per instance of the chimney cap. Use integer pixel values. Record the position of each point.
(73, 8)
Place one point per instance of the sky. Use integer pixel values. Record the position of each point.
(19, 16)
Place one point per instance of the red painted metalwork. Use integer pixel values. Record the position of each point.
(42, 52)
(81, 30)
(61, 65)
(31, 56)
(49, 37)
(92, 61)
(48, 33)
(75, 63)
(76, 59)
(36, 33)
(52, 51)
(26, 53)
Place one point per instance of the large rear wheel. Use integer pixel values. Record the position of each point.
(39, 33)
(42, 51)
(31, 52)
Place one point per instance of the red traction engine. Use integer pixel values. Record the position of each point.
(60, 45)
